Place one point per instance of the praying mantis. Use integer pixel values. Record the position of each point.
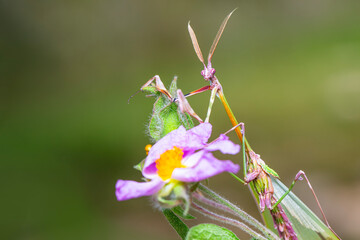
(287, 211)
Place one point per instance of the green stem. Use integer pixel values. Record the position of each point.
(227, 220)
(244, 153)
(240, 213)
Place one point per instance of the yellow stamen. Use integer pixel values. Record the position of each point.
(147, 148)
(168, 161)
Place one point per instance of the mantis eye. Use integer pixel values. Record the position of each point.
(212, 71)
(203, 73)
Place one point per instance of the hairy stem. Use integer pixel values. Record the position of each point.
(226, 220)
(238, 212)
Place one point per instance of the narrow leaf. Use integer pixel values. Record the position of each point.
(305, 223)
(180, 227)
(178, 210)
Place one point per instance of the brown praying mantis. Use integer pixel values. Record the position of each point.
(264, 181)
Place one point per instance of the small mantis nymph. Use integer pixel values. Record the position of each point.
(184, 105)
(167, 113)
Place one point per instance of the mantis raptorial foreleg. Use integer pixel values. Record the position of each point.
(185, 106)
(214, 89)
(200, 90)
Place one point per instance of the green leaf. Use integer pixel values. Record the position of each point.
(305, 223)
(178, 210)
(180, 227)
(140, 165)
(208, 231)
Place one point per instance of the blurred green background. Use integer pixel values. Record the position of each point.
(290, 70)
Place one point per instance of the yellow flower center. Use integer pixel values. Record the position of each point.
(168, 161)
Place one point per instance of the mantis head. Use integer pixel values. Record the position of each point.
(208, 73)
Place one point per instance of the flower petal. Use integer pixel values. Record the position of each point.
(224, 145)
(125, 189)
(200, 133)
(206, 167)
(189, 141)
(150, 171)
(172, 139)
(192, 159)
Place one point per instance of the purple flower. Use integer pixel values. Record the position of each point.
(182, 156)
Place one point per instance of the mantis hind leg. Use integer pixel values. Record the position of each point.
(300, 176)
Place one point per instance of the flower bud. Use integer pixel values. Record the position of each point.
(166, 115)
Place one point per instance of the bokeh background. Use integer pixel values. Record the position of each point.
(290, 70)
